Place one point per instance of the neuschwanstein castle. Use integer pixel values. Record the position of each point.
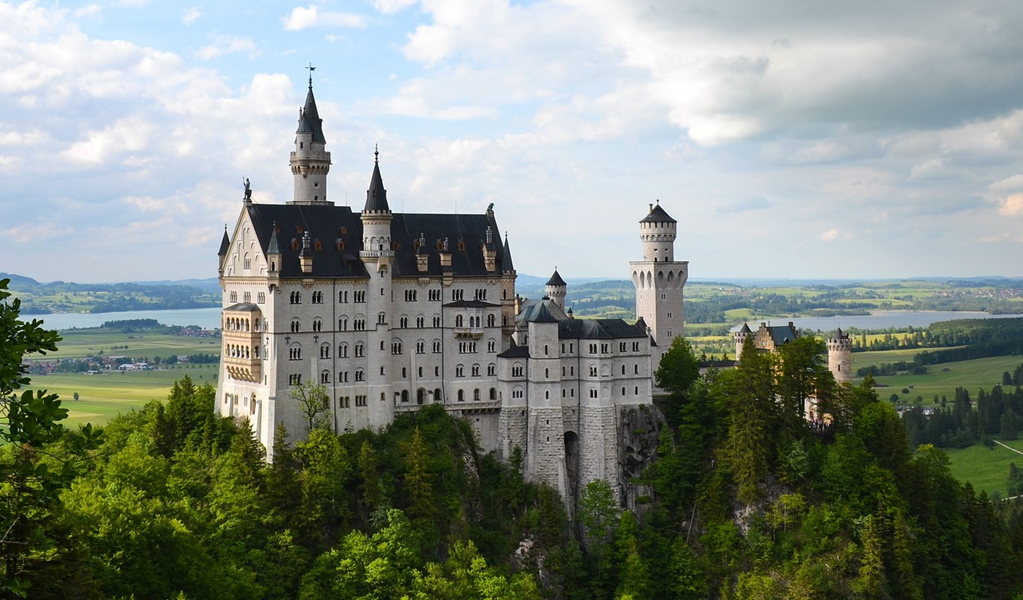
(391, 311)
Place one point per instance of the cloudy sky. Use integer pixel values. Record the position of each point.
(796, 138)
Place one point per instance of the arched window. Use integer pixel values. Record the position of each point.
(476, 394)
(325, 377)
(458, 320)
(461, 396)
(491, 320)
(342, 351)
(296, 326)
(493, 393)
(325, 351)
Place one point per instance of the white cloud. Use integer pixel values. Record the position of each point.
(191, 15)
(311, 16)
(392, 6)
(227, 44)
(1012, 205)
(126, 135)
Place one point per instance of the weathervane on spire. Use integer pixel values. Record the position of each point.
(311, 69)
(376, 153)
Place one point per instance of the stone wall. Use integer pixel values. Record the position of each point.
(638, 438)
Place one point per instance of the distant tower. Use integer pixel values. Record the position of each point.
(840, 356)
(377, 254)
(740, 339)
(659, 278)
(557, 289)
(310, 161)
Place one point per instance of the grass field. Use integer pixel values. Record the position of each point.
(941, 379)
(987, 469)
(84, 342)
(103, 396)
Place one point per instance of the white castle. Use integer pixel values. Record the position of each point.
(391, 311)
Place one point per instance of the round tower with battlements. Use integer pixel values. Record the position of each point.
(840, 356)
(310, 161)
(659, 279)
(740, 339)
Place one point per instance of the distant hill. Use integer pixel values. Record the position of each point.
(60, 297)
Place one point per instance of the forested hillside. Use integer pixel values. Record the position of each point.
(752, 500)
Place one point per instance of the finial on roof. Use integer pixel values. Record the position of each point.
(311, 69)
(376, 153)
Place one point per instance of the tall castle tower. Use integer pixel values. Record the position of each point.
(378, 254)
(556, 289)
(659, 278)
(840, 356)
(310, 161)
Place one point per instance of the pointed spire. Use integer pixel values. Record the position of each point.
(556, 279)
(273, 247)
(506, 257)
(225, 243)
(376, 195)
(309, 120)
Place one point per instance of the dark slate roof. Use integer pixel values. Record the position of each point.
(528, 308)
(243, 307)
(376, 195)
(325, 224)
(225, 244)
(515, 352)
(603, 329)
(274, 247)
(309, 121)
(541, 315)
(840, 335)
(657, 215)
(745, 328)
(556, 280)
(782, 334)
(507, 262)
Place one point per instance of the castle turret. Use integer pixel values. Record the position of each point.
(840, 356)
(659, 278)
(225, 246)
(556, 289)
(740, 339)
(310, 162)
(545, 456)
(377, 254)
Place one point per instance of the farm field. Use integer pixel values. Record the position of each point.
(103, 396)
(987, 469)
(940, 379)
(80, 343)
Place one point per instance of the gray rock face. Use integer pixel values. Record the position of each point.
(638, 437)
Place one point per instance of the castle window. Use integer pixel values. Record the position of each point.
(491, 369)
(342, 324)
(436, 371)
(458, 320)
(296, 326)
(593, 393)
(420, 321)
(461, 396)
(360, 375)
(342, 376)
(436, 321)
(420, 371)
(317, 297)
(436, 346)
(623, 391)
(359, 324)
(637, 390)
(233, 297)
(325, 377)
(593, 371)
(435, 295)
(546, 373)
(476, 394)
(635, 346)
(342, 297)
(623, 372)
(295, 352)
(325, 351)
(636, 369)
(382, 346)
(360, 350)
(360, 400)
(410, 295)
(493, 393)
(260, 297)
(622, 347)
(459, 371)
(545, 350)
(420, 347)
(404, 373)
(381, 318)
(317, 324)
(669, 333)
(663, 296)
(296, 297)
(294, 243)
(359, 297)
(491, 346)
(396, 348)
(669, 315)
(461, 245)
(475, 370)
(404, 396)
(593, 348)
(516, 371)
(491, 320)
(456, 295)
(295, 379)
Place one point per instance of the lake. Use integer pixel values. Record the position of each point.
(209, 318)
(882, 319)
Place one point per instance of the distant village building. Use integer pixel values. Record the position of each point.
(393, 311)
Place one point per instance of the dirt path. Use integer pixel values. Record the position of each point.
(1007, 447)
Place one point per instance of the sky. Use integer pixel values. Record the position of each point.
(790, 139)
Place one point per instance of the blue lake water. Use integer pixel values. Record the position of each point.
(207, 318)
(880, 319)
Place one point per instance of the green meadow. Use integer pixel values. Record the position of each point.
(941, 379)
(103, 395)
(987, 469)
